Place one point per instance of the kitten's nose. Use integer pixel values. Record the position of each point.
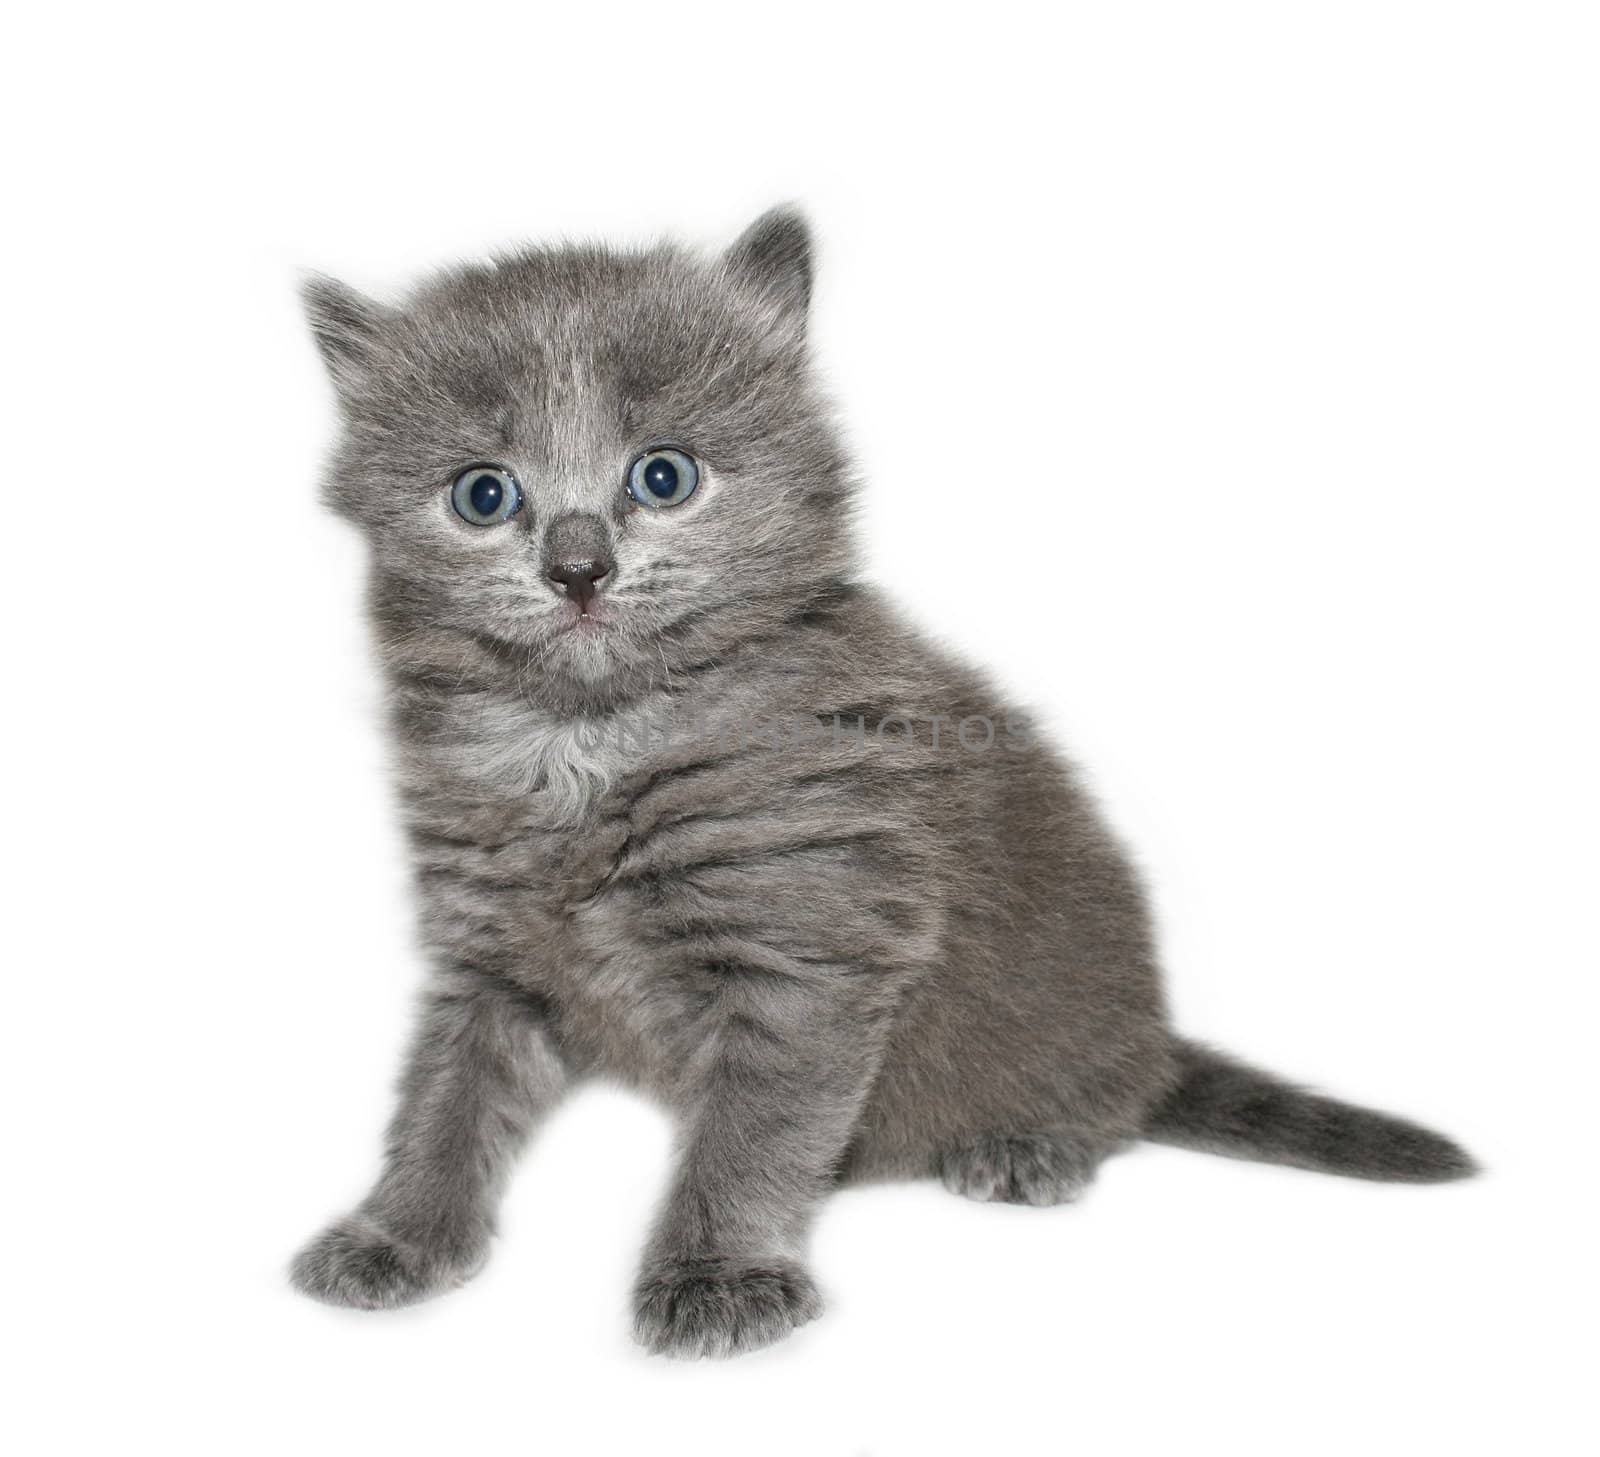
(581, 580)
(578, 557)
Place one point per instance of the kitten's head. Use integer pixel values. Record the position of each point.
(604, 466)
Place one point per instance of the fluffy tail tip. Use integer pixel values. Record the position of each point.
(1395, 1149)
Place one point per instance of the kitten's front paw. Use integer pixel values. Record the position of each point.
(721, 1307)
(355, 1262)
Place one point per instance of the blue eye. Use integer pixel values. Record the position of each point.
(663, 477)
(485, 495)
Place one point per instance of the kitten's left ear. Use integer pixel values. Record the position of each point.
(774, 255)
(347, 326)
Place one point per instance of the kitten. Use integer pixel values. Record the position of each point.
(691, 807)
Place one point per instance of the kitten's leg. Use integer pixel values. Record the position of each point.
(481, 1070)
(772, 1106)
(1023, 1168)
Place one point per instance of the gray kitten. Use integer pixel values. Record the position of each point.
(693, 809)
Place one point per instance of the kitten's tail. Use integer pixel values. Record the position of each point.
(1223, 1106)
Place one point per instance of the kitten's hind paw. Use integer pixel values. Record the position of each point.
(721, 1307)
(355, 1262)
(1021, 1168)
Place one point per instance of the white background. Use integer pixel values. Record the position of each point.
(1258, 342)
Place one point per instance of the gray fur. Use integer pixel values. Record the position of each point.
(869, 951)
(1222, 1106)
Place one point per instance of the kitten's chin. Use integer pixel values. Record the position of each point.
(586, 648)
(591, 671)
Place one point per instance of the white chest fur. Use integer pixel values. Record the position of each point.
(511, 746)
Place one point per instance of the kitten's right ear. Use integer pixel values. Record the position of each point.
(347, 326)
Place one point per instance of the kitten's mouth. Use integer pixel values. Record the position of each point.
(583, 620)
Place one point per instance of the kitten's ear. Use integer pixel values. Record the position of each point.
(347, 326)
(774, 255)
